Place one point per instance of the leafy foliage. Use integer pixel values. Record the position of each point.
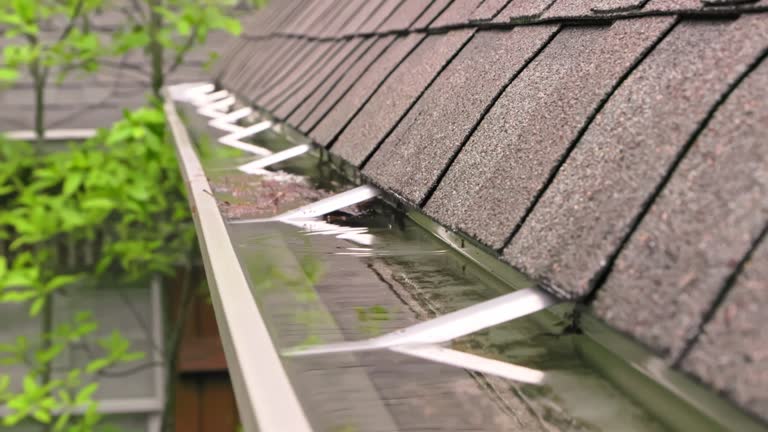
(121, 190)
(119, 193)
(27, 25)
(167, 30)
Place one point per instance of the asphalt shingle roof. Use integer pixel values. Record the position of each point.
(412, 158)
(355, 98)
(289, 102)
(612, 150)
(322, 94)
(385, 108)
(704, 221)
(482, 194)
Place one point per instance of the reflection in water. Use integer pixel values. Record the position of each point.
(320, 295)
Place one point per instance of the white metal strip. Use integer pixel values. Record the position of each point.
(357, 235)
(209, 98)
(234, 139)
(226, 122)
(322, 207)
(217, 109)
(187, 92)
(52, 134)
(446, 327)
(473, 362)
(265, 398)
(333, 203)
(258, 166)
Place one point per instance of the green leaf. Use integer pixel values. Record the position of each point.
(42, 415)
(13, 419)
(98, 204)
(97, 365)
(8, 75)
(37, 306)
(60, 281)
(137, 355)
(5, 381)
(29, 384)
(61, 422)
(72, 183)
(84, 395)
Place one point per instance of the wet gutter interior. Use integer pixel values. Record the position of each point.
(377, 267)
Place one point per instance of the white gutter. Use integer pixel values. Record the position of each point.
(265, 398)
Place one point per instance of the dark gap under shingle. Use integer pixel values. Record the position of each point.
(721, 296)
(363, 16)
(601, 277)
(523, 9)
(373, 123)
(282, 54)
(323, 15)
(343, 20)
(285, 106)
(581, 133)
(301, 20)
(387, 164)
(317, 95)
(221, 65)
(330, 127)
(509, 157)
(431, 14)
(291, 61)
(346, 82)
(488, 10)
(404, 16)
(385, 10)
(296, 76)
(261, 53)
(456, 14)
(611, 6)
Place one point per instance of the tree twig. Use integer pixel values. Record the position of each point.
(72, 20)
(181, 53)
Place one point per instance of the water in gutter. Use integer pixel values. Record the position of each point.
(368, 270)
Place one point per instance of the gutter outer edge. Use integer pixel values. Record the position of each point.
(265, 398)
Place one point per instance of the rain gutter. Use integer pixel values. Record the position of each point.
(265, 398)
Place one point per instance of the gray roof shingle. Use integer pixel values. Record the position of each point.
(341, 50)
(404, 16)
(488, 10)
(576, 8)
(704, 221)
(581, 220)
(414, 155)
(431, 13)
(523, 9)
(297, 74)
(731, 353)
(379, 16)
(496, 178)
(390, 102)
(457, 13)
(322, 94)
(354, 99)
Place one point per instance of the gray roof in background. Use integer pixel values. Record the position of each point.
(98, 99)
(613, 150)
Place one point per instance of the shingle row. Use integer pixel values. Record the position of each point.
(621, 163)
(342, 19)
